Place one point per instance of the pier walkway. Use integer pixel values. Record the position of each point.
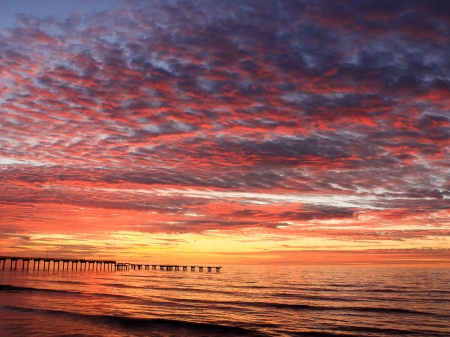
(90, 265)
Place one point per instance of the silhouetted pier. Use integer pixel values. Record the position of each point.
(55, 264)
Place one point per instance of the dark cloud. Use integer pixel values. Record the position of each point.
(319, 110)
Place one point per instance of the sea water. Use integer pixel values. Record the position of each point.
(238, 301)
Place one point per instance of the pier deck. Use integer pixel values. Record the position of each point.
(49, 263)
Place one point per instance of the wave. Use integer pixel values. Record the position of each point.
(10, 288)
(379, 331)
(172, 289)
(313, 297)
(341, 285)
(357, 309)
(16, 289)
(296, 307)
(383, 290)
(140, 323)
(66, 282)
(240, 304)
(120, 285)
(352, 330)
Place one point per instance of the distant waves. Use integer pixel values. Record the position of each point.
(240, 301)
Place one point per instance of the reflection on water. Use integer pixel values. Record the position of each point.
(241, 300)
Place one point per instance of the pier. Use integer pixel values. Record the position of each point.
(56, 264)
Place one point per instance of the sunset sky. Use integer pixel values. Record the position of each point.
(272, 132)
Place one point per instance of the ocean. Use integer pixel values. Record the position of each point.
(238, 301)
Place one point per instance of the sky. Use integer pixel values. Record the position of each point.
(226, 132)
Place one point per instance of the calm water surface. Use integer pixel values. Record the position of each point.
(238, 301)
